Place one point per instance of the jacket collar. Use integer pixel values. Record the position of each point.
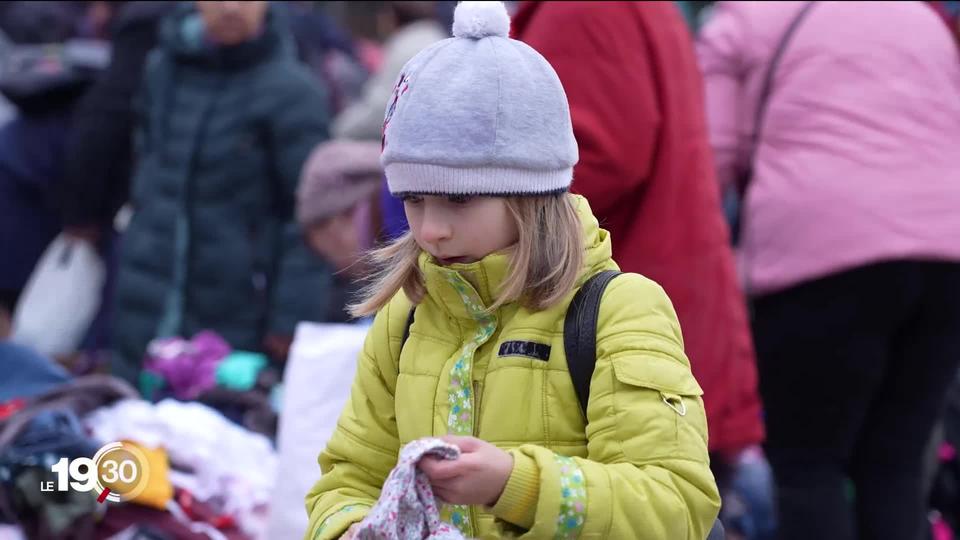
(465, 290)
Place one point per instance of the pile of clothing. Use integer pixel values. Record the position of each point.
(210, 478)
(241, 385)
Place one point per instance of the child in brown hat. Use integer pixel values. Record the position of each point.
(334, 199)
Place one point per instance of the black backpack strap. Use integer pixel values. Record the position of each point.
(406, 329)
(580, 333)
(767, 88)
(580, 346)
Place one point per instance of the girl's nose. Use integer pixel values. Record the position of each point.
(434, 229)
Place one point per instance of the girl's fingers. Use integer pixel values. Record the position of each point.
(440, 469)
(443, 495)
(465, 444)
(449, 484)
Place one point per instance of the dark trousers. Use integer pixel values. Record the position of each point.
(854, 370)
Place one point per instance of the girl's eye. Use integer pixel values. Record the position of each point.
(412, 199)
(459, 199)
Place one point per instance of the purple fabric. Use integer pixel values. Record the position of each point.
(189, 367)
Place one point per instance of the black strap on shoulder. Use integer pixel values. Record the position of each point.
(580, 333)
(406, 329)
(767, 88)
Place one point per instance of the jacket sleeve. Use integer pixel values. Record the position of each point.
(604, 63)
(364, 447)
(720, 50)
(301, 280)
(647, 473)
(99, 152)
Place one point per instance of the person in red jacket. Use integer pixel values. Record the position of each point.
(636, 98)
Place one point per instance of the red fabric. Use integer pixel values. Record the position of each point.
(120, 517)
(12, 407)
(636, 98)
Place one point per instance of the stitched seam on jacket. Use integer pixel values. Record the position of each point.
(433, 339)
(546, 410)
(434, 376)
(655, 336)
(345, 508)
(527, 368)
(644, 352)
(567, 444)
(358, 440)
(613, 503)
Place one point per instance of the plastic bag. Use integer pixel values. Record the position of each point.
(61, 298)
(316, 386)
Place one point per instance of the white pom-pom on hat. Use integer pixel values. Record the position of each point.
(478, 19)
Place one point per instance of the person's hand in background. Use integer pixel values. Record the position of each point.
(277, 347)
(4, 324)
(90, 233)
(338, 186)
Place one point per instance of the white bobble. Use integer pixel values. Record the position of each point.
(477, 20)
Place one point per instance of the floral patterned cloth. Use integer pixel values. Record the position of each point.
(407, 509)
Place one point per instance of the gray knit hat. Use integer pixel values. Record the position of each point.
(478, 114)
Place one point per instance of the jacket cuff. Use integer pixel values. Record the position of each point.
(337, 523)
(518, 502)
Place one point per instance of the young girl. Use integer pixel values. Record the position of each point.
(479, 145)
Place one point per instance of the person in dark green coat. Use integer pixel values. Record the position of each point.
(228, 118)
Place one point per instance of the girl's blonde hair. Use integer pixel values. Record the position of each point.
(545, 263)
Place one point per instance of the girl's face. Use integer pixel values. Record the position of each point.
(460, 229)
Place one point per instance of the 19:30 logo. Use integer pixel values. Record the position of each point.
(118, 472)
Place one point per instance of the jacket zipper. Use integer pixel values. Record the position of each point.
(190, 192)
(476, 407)
(474, 525)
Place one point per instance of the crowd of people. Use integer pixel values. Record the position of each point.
(214, 175)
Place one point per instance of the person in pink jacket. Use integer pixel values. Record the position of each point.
(850, 247)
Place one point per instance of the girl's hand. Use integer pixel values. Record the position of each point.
(478, 476)
(351, 532)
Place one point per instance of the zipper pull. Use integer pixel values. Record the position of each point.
(675, 402)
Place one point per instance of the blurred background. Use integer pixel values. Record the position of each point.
(187, 189)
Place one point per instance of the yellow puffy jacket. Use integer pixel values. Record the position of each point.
(637, 469)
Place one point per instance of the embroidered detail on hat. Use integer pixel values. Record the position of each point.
(403, 84)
